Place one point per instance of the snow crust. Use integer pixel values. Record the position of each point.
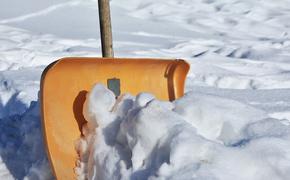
(195, 137)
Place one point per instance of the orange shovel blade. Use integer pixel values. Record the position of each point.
(64, 85)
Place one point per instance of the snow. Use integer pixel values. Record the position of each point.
(239, 80)
(197, 136)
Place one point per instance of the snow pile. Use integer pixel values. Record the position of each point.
(197, 136)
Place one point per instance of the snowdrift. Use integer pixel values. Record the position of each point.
(191, 138)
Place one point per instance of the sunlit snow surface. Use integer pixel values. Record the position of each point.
(195, 137)
(239, 52)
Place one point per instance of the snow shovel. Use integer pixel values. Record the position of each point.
(64, 85)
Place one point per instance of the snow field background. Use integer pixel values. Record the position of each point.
(238, 51)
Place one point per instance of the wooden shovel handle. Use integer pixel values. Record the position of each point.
(106, 28)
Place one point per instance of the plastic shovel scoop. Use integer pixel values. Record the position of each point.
(64, 86)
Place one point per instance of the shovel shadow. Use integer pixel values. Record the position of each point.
(78, 105)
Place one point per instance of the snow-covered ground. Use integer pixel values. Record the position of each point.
(239, 51)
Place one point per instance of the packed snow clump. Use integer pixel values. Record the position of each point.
(195, 137)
